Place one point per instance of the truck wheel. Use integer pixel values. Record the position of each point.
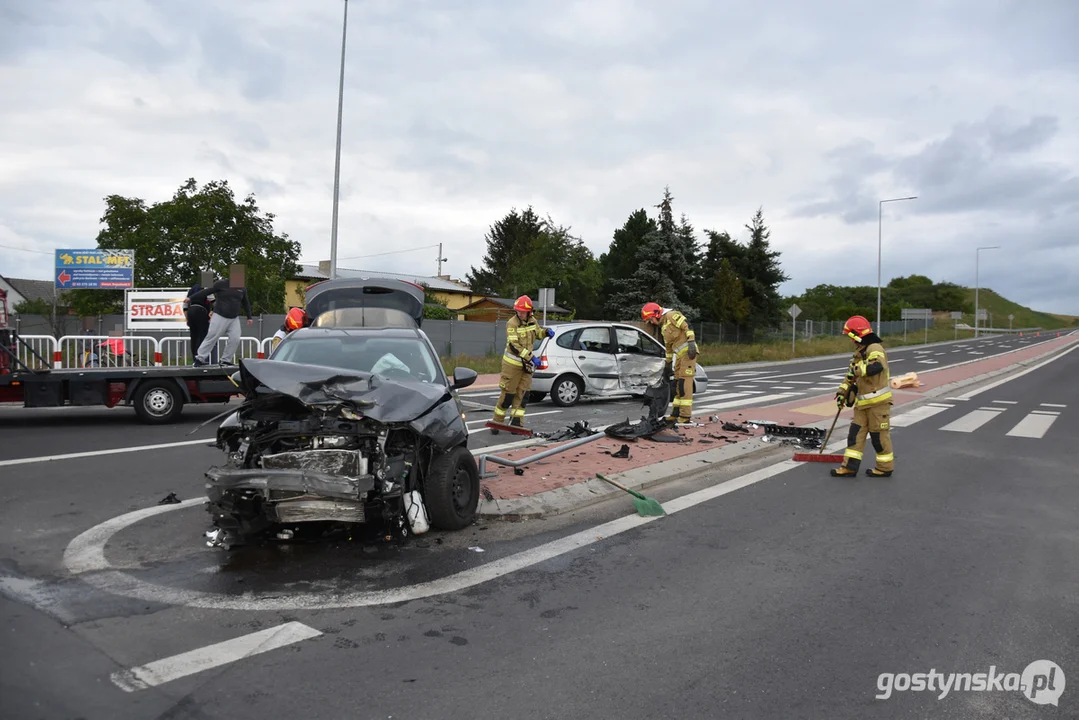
(452, 489)
(158, 402)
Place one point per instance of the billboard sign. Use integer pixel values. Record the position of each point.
(155, 310)
(85, 269)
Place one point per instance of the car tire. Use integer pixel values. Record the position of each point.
(566, 391)
(452, 489)
(535, 397)
(158, 402)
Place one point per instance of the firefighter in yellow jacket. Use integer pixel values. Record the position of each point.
(867, 388)
(518, 363)
(681, 347)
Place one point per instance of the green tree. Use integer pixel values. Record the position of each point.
(762, 275)
(620, 261)
(729, 303)
(666, 269)
(508, 241)
(197, 229)
(721, 247)
(560, 260)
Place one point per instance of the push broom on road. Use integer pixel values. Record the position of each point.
(819, 456)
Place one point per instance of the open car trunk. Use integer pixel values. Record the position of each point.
(365, 302)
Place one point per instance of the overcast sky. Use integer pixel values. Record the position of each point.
(457, 110)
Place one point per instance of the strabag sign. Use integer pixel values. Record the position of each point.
(155, 310)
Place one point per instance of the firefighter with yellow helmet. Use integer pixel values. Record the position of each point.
(867, 388)
(518, 362)
(681, 345)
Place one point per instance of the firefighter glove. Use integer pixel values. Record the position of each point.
(668, 369)
(536, 361)
(550, 332)
(692, 350)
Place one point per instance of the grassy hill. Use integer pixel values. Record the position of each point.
(999, 309)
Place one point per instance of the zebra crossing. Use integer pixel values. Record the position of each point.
(1033, 424)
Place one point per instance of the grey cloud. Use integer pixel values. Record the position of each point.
(1024, 138)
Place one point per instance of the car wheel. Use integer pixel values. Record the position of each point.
(535, 397)
(566, 391)
(158, 402)
(452, 489)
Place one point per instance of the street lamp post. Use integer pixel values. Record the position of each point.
(337, 156)
(977, 281)
(880, 223)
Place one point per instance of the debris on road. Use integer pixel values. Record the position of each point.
(169, 499)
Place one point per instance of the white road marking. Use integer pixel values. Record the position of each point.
(1053, 405)
(739, 403)
(1034, 425)
(916, 415)
(834, 377)
(1045, 412)
(929, 362)
(92, 544)
(96, 453)
(782, 387)
(212, 656)
(972, 420)
(1033, 368)
(1007, 402)
(800, 382)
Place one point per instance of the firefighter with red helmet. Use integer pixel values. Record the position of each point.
(681, 345)
(518, 362)
(866, 388)
(294, 320)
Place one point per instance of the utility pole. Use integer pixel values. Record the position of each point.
(337, 157)
(440, 259)
(880, 224)
(977, 282)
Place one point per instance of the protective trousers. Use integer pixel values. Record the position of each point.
(514, 384)
(872, 421)
(682, 405)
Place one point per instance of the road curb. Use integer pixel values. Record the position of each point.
(593, 491)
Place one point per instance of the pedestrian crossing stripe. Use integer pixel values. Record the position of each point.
(1034, 425)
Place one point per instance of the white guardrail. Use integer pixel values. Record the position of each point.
(40, 352)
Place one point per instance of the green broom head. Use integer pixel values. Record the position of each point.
(648, 507)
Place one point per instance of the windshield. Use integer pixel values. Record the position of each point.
(401, 359)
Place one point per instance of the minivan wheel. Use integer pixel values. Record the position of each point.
(535, 397)
(566, 391)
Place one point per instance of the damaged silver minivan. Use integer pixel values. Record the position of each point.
(350, 420)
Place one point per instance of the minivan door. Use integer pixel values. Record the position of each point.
(640, 360)
(594, 354)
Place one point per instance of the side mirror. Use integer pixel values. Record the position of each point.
(463, 377)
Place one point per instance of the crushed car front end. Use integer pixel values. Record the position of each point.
(323, 445)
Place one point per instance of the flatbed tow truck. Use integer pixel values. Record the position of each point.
(157, 394)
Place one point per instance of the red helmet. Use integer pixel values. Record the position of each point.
(651, 310)
(857, 328)
(295, 319)
(523, 304)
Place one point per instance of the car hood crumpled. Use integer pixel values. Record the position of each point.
(372, 395)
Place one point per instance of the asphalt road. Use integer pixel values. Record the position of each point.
(785, 598)
(739, 386)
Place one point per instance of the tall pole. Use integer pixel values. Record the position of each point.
(337, 158)
(977, 281)
(880, 223)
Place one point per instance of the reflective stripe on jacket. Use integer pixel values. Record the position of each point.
(677, 334)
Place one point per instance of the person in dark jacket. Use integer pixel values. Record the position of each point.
(225, 320)
(198, 317)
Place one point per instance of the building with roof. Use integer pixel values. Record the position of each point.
(453, 293)
(494, 309)
(19, 290)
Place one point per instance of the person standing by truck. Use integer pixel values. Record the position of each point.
(197, 314)
(225, 321)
